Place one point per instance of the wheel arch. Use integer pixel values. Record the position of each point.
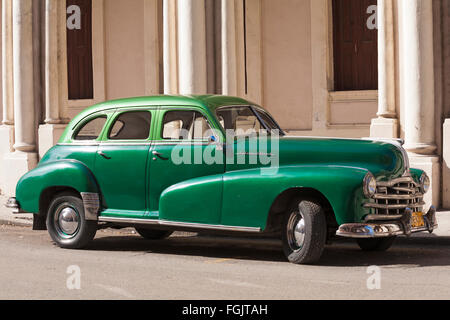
(285, 199)
(48, 194)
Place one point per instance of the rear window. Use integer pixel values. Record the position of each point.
(91, 130)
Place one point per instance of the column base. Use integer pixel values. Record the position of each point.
(17, 164)
(6, 139)
(384, 128)
(431, 165)
(49, 135)
(6, 143)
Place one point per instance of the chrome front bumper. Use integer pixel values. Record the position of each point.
(403, 226)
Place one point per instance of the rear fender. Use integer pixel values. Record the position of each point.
(59, 175)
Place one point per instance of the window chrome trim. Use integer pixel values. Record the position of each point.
(148, 143)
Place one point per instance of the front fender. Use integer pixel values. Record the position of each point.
(71, 174)
(249, 194)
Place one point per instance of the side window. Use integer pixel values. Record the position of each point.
(185, 125)
(133, 125)
(91, 130)
(241, 120)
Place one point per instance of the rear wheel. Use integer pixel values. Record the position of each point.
(380, 244)
(153, 234)
(304, 232)
(66, 222)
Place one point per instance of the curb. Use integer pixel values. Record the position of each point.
(16, 222)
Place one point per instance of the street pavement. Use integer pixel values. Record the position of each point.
(119, 264)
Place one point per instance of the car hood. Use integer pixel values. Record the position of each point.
(386, 160)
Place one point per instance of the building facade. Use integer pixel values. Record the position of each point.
(344, 68)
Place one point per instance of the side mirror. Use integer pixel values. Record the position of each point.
(212, 139)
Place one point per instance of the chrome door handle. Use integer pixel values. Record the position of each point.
(160, 155)
(104, 155)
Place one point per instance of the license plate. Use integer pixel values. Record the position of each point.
(417, 220)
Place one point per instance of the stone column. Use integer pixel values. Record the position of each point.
(386, 125)
(7, 62)
(7, 127)
(170, 47)
(51, 131)
(192, 47)
(418, 71)
(51, 63)
(418, 89)
(25, 157)
(25, 136)
(229, 74)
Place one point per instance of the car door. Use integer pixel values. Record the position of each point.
(186, 168)
(121, 163)
(249, 161)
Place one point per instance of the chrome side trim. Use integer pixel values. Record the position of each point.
(178, 224)
(79, 144)
(91, 203)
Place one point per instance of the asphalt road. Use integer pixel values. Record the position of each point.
(121, 265)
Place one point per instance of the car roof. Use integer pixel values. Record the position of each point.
(210, 102)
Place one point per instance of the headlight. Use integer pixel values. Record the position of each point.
(370, 185)
(424, 183)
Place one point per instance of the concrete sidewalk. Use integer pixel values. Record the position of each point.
(8, 218)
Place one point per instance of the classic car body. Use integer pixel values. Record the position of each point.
(124, 175)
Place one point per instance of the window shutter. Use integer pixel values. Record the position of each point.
(355, 46)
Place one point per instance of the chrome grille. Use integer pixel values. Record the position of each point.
(393, 197)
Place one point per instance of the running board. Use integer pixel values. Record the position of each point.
(177, 224)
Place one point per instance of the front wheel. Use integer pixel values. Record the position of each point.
(304, 232)
(380, 244)
(66, 222)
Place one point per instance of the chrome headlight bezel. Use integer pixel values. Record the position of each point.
(370, 185)
(425, 183)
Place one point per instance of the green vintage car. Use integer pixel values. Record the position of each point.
(220, 164)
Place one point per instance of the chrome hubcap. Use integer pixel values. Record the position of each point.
(296, 231)
(67, 221)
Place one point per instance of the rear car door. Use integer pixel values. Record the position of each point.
(121, 163)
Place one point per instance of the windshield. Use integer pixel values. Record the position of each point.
(247, 120)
